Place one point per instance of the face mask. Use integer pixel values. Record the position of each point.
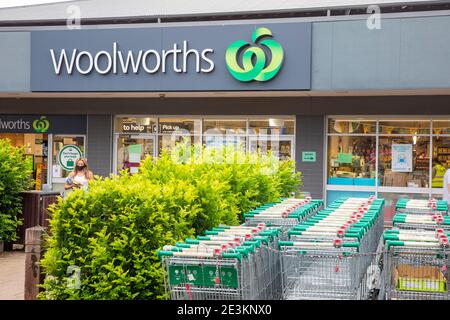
(80, 168)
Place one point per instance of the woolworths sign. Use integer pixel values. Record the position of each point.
(39, 125)
(118, 61)
(206, 58)
(42, 124)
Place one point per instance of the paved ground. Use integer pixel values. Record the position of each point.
(12, 275)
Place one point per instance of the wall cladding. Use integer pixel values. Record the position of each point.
(310, 137)
(406, 53)
(14, 61)
(99, 144)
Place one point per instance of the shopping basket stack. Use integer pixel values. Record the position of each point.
(286, 213)
(417, 251)
(328, 255)
(228, 262)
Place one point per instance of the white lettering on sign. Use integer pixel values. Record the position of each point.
(151, 61)
(19, 124)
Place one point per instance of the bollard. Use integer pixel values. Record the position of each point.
(33, 252)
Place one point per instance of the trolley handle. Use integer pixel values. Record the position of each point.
(264, 240)
(256, 243)
(192, 241)
(164, 253)
(183, 245)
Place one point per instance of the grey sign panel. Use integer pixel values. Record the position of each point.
(14, 61)
(295, 73)
(43, 124)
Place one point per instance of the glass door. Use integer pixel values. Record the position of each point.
(132, 149)
(64, 152)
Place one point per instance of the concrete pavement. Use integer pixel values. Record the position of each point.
(12, 275)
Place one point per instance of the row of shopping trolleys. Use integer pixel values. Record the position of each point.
(417, 252)
(329, 255)
(234, 262)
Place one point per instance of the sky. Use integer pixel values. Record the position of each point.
(18, 3)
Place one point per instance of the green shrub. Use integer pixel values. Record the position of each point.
(15, 175)
(113, 231)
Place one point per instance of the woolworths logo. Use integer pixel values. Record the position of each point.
(254, 59)
(41, 125)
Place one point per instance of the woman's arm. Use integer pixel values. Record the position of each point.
(68, 184)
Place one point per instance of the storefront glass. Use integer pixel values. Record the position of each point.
(417, 152)
(441, 159)
(275, 126)
(146, 135)
(342, 126)
(411, 156)
(132, 149)
(275, 135)
(225, 126)
(36, 150)
(351, 160)
(400, 126)
(135, 125)
(61, 169)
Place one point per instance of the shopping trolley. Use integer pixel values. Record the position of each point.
(226, 263)
(329, 254)
(323, 270)
(417, 268)
(286, 214)
(423, 222)
(415, 206)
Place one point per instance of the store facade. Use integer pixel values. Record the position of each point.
(341, 99)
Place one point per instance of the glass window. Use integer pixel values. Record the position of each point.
(352, 126)
(225, 126)
(132, 149)
(217, 139)
(169, 141)
(179, 125)
(351, 160)
(272, 126)
(441, 160)
(281, 147)
(36, 151)
(405, 126)
(441, 127)
(135, 125)
(406, 164)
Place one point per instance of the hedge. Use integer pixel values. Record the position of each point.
(112, 231)
(15, 173)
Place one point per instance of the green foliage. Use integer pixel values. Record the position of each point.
(14, 178)
(113, 231)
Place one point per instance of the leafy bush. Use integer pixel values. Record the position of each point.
(15, 175)
(113, 231)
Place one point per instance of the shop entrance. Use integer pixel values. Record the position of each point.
(36, 150)
(50, 142)
(65, 150)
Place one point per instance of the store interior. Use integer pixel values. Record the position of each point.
(36, 151)
(353, 158)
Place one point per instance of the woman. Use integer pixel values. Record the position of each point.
(80, 176)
